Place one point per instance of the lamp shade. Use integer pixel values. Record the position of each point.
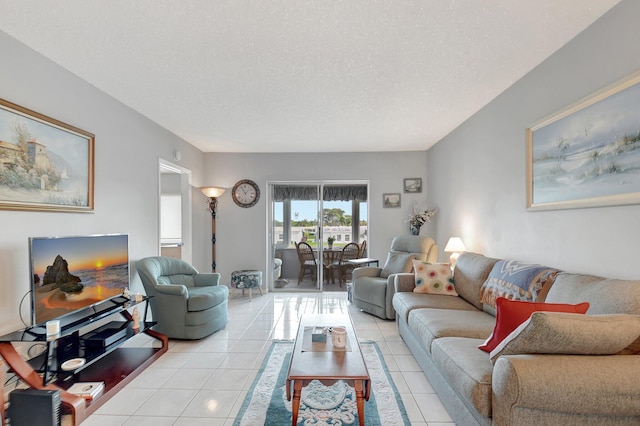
(212, 191)
(454, 245)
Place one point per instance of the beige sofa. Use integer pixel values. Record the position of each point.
(574, 388)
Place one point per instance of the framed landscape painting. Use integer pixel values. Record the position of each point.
(587, 155)
(391, 200)
(45, 164)
(412, 185)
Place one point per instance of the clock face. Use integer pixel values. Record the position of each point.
(246, 193)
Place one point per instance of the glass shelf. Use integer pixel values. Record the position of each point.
(75, 321)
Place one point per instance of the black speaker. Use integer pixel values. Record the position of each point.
(68, 347)
(33, 407)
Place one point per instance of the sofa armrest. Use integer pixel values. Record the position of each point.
(366, 271)
(172, 289)
(568, 387)
(204, 279)
(405, 281)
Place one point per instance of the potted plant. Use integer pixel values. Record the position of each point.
(330, 241)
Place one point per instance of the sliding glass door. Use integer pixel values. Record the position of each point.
(304, 218)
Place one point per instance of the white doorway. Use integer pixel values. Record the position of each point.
(174, 211)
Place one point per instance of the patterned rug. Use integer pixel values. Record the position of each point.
(266, 403)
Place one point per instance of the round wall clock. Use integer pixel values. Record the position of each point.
(246, 193)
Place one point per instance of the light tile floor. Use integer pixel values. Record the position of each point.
(205, 381)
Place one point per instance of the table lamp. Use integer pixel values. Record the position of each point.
(455, 246)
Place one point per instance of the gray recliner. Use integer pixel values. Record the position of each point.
(186, 304)
(373, 287)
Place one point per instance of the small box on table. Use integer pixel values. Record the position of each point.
(319, 334)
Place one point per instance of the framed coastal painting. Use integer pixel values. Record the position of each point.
(412, 185)
(588, 154)
(45, 164)
(391, 200)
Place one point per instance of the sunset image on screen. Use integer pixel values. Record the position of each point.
(82, 271)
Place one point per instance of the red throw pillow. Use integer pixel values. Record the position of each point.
(511, 313)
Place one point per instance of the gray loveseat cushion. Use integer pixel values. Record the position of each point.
(605, 296)
(430, 324)
(405, 302)
(396, 263)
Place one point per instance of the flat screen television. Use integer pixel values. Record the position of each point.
(69, 274)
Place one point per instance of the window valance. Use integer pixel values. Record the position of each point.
(330, 193)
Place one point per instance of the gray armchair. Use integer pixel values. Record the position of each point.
(185, 303)
(373, 287)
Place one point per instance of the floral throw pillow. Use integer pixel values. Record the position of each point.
(434, 278)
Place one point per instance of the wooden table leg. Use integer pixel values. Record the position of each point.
(358, 385)
(295, 405)
(20, 368)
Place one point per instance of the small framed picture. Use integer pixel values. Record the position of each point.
(412, 185)
(391, 200)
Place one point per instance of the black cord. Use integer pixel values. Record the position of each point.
(20, 308)
(36, 345)
(12, 377)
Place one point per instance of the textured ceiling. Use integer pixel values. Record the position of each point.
(301, 76)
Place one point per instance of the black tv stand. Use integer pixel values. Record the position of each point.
(111, 363)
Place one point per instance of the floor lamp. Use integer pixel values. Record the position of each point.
(213, 192)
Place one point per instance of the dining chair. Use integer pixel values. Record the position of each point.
(308, 264)
(349, 252)
(363, 249)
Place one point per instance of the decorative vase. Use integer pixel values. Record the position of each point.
(415, 229)
(330, 246)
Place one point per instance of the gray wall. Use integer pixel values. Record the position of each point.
(240, 231)
(128, 147)
(476, 175)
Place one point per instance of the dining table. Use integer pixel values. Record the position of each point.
(329, 256)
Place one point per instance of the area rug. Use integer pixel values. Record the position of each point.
(266, 403)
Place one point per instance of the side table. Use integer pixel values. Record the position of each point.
(364, 261)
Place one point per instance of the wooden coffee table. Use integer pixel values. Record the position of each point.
(327, 366)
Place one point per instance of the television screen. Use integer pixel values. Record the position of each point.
(72, 273)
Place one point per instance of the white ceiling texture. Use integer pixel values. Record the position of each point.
(301, 76)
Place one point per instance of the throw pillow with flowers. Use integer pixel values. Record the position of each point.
(434, 278)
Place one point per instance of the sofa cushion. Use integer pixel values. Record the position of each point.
(605, 296)
(467, 370)
(571, 334)
(397, 262)
(203, 298)
(405, 302)
(470, 273)
(517, 281)
(430, 324)
(511, 313)
(433, 278)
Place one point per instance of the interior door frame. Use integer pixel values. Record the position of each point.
(165, 166)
